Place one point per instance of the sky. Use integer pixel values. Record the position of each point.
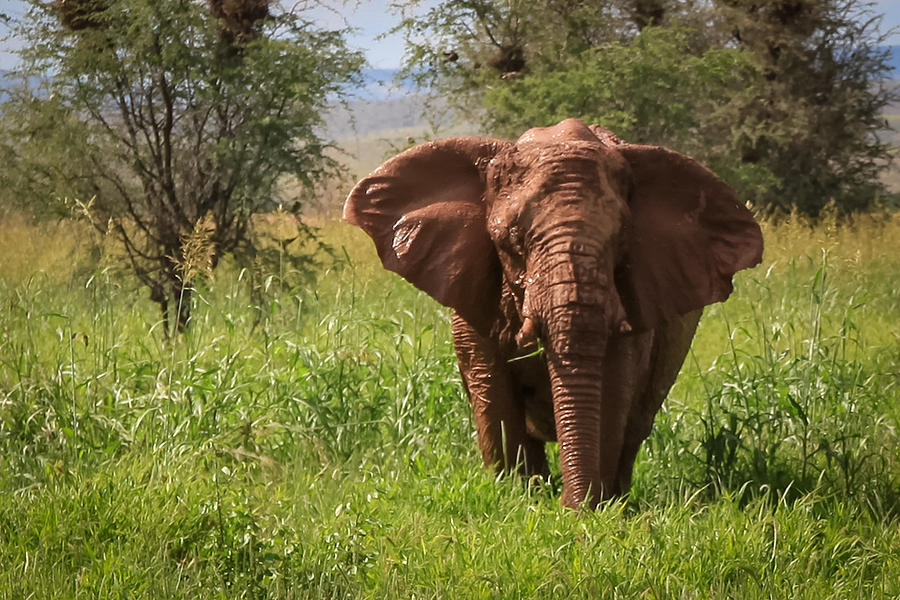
(371, 19)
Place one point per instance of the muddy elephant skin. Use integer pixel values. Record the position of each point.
(602, 252)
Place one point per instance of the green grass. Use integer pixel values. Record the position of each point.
(321, 446)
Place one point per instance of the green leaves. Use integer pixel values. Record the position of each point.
(649, 90)
(180, 123)
(783, 99)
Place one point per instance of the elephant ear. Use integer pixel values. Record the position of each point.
(424, 209)
(690, 236)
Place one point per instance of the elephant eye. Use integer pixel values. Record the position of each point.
(514, 239)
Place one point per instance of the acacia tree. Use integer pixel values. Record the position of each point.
(782, 97)
(814, 117)
(466, 45)
(175, 116)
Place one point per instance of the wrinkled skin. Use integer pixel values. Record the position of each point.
(602, 252)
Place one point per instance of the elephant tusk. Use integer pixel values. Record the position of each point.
(527, 336)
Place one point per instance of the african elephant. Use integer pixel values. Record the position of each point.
(603, 252)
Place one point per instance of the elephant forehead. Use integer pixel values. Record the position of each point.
(536, 162)
(567, 130)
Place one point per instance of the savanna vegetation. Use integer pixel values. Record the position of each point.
(170, 117)
(320, 445)
(308, 436)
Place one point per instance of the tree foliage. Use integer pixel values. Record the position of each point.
(179, 118)
(782, 97)
(814, 116)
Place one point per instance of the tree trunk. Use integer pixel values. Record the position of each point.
(174, 302)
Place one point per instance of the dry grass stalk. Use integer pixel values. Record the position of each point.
(198, 251)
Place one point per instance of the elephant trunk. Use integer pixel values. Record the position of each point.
(577, 309)
(576, 407)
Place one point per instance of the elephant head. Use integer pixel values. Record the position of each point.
(567, 235)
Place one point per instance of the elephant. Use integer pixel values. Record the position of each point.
(577, 266)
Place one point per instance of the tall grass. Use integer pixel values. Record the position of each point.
(320, 445)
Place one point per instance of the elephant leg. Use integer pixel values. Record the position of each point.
(669, 347)
(532, 386)
(625, 368)
(499, 414)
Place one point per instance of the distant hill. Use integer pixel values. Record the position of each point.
(386, 104)
(365, 117)
(378, 84)
(381, 84)
(383, 103)
(380, 104)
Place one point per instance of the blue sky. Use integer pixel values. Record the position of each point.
(372, 18)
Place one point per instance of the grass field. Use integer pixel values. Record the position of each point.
(320, 445)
